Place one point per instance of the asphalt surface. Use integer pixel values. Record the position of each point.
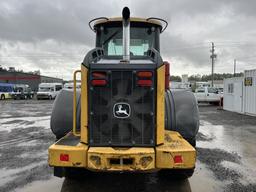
(225, 144)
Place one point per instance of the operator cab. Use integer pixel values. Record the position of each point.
(143, 37)
(140, 37)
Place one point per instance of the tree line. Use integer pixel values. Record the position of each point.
(198, 77)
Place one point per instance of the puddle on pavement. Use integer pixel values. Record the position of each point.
(25, 177)
(204, 180)
(54, 184)
(238, 139)
(8, 175)
(24, 122)
(229, 153)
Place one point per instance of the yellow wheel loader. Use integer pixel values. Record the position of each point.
(125, 118)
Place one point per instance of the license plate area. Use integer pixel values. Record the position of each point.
(121, 161)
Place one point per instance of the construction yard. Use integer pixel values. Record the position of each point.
(226, 158)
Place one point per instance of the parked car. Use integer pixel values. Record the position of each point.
(6, 90)
(220, 90)
(71, 86)
(48, 90)
(208, 95)
(22, 91)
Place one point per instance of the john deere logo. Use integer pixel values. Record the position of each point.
(121, 110)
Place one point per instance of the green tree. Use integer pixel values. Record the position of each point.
(175, 78)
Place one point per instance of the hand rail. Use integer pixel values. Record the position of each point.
(94, 20)
(74, 104)
(161, 20)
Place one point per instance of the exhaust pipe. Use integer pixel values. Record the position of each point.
(126, 34)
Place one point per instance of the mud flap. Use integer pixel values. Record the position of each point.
(58, 171)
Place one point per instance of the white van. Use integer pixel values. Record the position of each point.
(48, 90)
(71, 86)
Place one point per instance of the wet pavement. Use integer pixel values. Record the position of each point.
(225, 144)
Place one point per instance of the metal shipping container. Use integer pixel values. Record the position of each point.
(250, 92)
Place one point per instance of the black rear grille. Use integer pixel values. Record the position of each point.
(109, 124)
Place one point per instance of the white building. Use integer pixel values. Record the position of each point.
(180, 85)
(184, 78)
(233, 94)
(240, 93)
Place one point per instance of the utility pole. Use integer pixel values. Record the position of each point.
(234, 67)
(213, 56)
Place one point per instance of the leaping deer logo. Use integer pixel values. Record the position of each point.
(121, 110)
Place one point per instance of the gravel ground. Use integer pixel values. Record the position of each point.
(231, 143)
(225, 144)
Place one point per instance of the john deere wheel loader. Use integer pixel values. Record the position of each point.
(125, 118)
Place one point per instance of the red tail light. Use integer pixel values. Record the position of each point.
(144, 74)
(144, 78)
(64, 157)
(178, 159)
(99, 82)
(99, 75)
(144, 82)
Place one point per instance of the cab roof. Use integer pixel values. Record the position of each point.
(152, 20)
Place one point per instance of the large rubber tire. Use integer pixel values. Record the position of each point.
(192, 141)
(176, 173)
(182, 114)
(62, 113)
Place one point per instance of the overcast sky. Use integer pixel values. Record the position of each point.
(53, 36)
